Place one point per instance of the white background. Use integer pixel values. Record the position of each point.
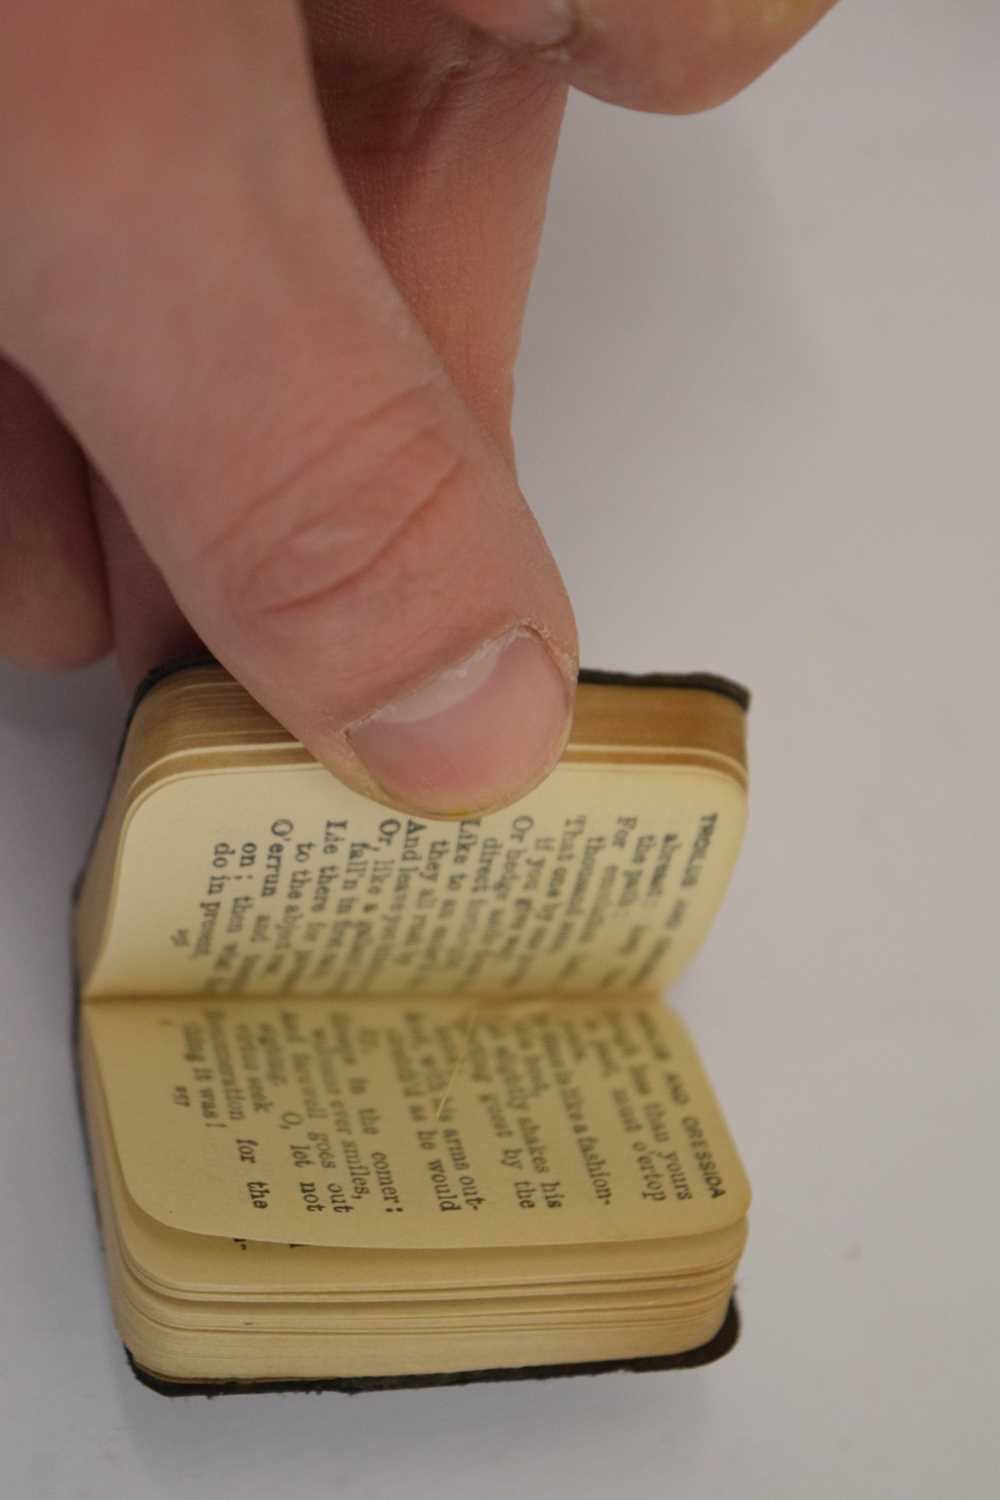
(758, 418)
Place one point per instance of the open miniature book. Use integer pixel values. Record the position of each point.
(372, 1097)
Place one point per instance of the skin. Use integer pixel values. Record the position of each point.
(262, 277)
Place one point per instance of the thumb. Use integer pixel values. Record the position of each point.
(191, 287)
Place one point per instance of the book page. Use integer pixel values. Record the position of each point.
(413, 1124)
(278, 880)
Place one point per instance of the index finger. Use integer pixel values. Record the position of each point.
(671, 56)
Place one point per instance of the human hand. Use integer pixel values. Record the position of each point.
(257, 391)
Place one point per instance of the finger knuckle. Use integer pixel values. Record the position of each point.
(353, 513)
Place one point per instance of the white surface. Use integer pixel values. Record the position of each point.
(758, 419)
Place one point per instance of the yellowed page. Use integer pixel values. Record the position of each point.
(415, 1124)
(210, 1267)
(245, 879)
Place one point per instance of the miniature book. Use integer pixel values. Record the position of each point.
(380, 1099)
